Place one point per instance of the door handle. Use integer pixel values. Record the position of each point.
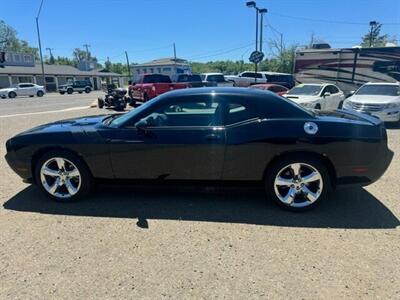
(213, 137)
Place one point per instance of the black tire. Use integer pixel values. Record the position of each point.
(121, 106)
(62, 93)
(280, 164)
(317, 106)
(100, 102)
(70, 91)
(80, 92)
(145, 97)
(12, 95)
(86, 177)
(340, 105)
(87, 90)
(40, 94)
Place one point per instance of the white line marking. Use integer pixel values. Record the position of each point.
(46, 112)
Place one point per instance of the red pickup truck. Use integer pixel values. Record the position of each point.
(151, 85)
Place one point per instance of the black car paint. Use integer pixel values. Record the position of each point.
(239, 152)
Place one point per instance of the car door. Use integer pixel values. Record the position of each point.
(22, 89)
(244, 144)
(182, 139)
(337, 97)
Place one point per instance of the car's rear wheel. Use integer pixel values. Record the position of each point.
(12, 95)
(62, 93)
(87, 90)
(62, 176)
(70, 91)
(40, 94)
(298, 182)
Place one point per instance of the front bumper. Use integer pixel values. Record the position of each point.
(386, 115)
(20, 167)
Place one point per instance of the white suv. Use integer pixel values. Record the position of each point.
(22, 89)
(317, 96)
(378, 99)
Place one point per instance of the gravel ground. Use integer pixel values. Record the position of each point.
(191, 243)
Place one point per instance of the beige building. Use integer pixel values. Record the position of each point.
(55, 75)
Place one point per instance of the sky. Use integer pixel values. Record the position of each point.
(202, 30)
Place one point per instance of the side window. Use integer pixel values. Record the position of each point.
(248, 74)
(192, 112)
(325, 90)
(239, 111)
(333, 89)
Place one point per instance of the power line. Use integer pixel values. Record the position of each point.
(220, 52)
(328, 21)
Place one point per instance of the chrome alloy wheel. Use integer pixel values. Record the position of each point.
(60, 177)
(298, 185)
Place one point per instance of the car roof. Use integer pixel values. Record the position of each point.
(234, 91)
(383, 83)
(212, 73)
(267, 85)
(267, 73)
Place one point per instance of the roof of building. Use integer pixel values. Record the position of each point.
(163, 62)
(53, 70)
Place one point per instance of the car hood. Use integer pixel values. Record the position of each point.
(7, 90)
(345, 116)
(65, 125)
(302, 98)
(374, 99)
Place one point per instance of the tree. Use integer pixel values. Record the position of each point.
(374, 37)
(10, 42)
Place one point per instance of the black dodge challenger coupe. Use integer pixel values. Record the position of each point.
(208, 134)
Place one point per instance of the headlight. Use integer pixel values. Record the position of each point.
(392, 105)
(308, 104)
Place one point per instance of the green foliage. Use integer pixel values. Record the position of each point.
(375, 37)
(10, 42)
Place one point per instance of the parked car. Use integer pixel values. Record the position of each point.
(215, 79)
(79, 86)
(275, 88)
(248, 78)
(193, 80)
(377, 99)
(208, 134)
(23, 89)
(115, 98)
(317, 96)
(152, 85)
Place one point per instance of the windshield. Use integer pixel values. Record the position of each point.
(122, 118)
(383, 90)
(216, 78)
(302, 89)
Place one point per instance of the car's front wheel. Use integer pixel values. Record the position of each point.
(40, 94)
(62, 176)
(12, 95)
(297, 183)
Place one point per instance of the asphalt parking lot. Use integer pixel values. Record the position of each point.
(190, 243)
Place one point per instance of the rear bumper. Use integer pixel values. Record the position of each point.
(365, 175)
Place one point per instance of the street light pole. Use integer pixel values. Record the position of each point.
(262, 11)
(40, 43)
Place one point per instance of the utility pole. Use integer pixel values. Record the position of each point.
(87, 56)
(127, 64)
(40, 43)
(174, 52)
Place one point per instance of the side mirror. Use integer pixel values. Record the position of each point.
(327, 94)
